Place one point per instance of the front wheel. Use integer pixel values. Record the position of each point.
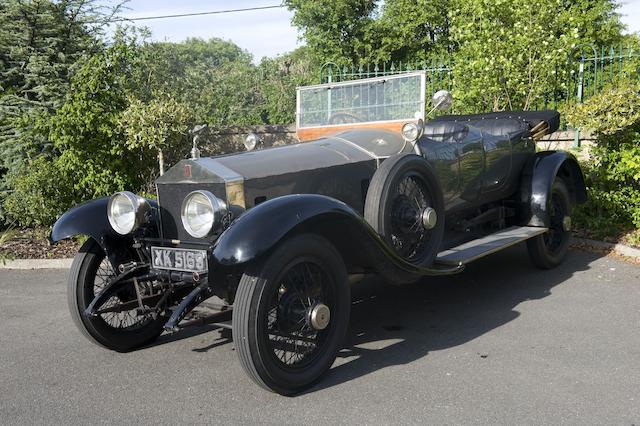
(119, 330)
(550, 249)
(291, 313)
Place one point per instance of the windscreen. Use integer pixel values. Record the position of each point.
(398, 97)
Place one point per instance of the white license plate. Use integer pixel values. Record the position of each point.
(175, 259)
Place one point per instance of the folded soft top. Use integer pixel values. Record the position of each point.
(532, 118)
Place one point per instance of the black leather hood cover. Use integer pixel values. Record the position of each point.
(531, 118)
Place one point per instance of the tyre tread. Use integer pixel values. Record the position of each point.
(536, 246)
(381, 179)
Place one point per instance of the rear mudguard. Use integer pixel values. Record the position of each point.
(90, 219)
(537, 181)
(262, 228)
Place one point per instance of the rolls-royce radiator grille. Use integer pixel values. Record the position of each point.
(170, 198)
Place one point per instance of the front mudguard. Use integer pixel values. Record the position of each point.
(90, 219)
(262, 228)
(537, 182)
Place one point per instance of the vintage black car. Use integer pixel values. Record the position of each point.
(279, 233)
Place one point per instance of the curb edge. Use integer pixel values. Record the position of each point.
(33, 264)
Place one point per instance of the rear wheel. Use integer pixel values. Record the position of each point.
(120, 331)
(291, 313)
(550, 249)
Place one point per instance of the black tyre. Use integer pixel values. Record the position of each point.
(550, 249)
(403, 191)
(291, 313)
(119, 331)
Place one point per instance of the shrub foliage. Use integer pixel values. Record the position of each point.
(81, 117)
(613, 171)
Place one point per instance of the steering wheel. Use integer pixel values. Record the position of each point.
(344, 118)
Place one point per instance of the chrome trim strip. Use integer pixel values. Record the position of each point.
(220, 170)
(364, 80)
(233, 182)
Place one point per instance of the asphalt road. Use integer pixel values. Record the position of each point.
(502, 343)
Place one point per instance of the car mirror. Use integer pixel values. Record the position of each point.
(442, 100)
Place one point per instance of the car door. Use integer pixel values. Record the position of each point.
(456, 153)
(497, 152)
(501, 139)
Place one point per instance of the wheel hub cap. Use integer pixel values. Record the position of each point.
(319, 316)
(429, 218)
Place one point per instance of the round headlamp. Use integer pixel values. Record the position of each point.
(410, 132)
(202, 213)
(126, 212)
(252, 141)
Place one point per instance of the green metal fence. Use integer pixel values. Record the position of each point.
(593, 69)
(587, 71)
(438, 71)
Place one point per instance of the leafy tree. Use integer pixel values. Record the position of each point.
(86, 131)
(158, 126)
(214, 79)
(512, 53)
(90, 154)
(122, 111)
(224, 96)
(164, 67)
(507, 53)
(336, 30)
(413, 30)
(280, 77)
(41, 42)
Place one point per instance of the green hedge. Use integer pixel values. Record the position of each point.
(612, 171)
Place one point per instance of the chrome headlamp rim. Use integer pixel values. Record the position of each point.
(139, 206)
(218, 209)
(410, 132)
(251, 142)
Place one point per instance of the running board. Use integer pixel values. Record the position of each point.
(473, 250)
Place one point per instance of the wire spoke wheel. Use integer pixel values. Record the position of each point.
(290, 315)
(410, 200)
(405, 206)
(119, 319)
(117, 326)
(292, 338)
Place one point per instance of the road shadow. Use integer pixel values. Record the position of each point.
(441, 313)
(183, 334)
(433, 314)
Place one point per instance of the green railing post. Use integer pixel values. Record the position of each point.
(576, 136)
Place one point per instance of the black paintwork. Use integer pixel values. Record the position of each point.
(321, 186)
(260, 229)
(537, 181)
(90, 219)
(479, 160)
(475, 165)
